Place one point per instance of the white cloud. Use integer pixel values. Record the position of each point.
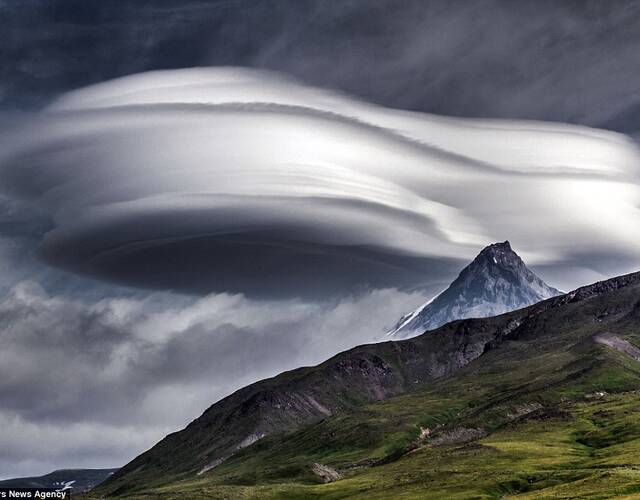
(229, 179)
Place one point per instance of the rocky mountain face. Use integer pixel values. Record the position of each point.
(76, 480)
(347, 382)
(496, 282)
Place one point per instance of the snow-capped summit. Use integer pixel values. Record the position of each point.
(497, 281)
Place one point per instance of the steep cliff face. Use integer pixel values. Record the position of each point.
(351, 379)
(496, 282)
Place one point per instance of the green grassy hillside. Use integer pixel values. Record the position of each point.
(549, 408)
(542, 456)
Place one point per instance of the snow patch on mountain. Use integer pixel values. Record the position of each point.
(496, 282)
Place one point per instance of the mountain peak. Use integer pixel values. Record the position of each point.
(495, 282)
(497, 248)
(505, 246)
(499, 253)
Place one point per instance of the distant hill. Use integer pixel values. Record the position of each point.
(76, 480)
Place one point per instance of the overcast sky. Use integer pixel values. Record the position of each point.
(168, 237)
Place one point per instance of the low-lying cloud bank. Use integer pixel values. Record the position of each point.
(92, 384)
(238, 180)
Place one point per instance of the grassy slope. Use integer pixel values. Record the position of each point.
(571, 446)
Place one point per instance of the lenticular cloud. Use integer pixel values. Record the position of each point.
(227, 179)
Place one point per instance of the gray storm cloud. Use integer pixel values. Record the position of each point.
(94, 383)
(230, 179)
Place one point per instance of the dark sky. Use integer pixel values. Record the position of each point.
(564, 60)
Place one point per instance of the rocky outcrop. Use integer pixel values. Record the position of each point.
(326, 473)
(458, 435)
(618, 344)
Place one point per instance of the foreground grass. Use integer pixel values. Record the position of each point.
(590, 451)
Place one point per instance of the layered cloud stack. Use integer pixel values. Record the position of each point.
(238, 180)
